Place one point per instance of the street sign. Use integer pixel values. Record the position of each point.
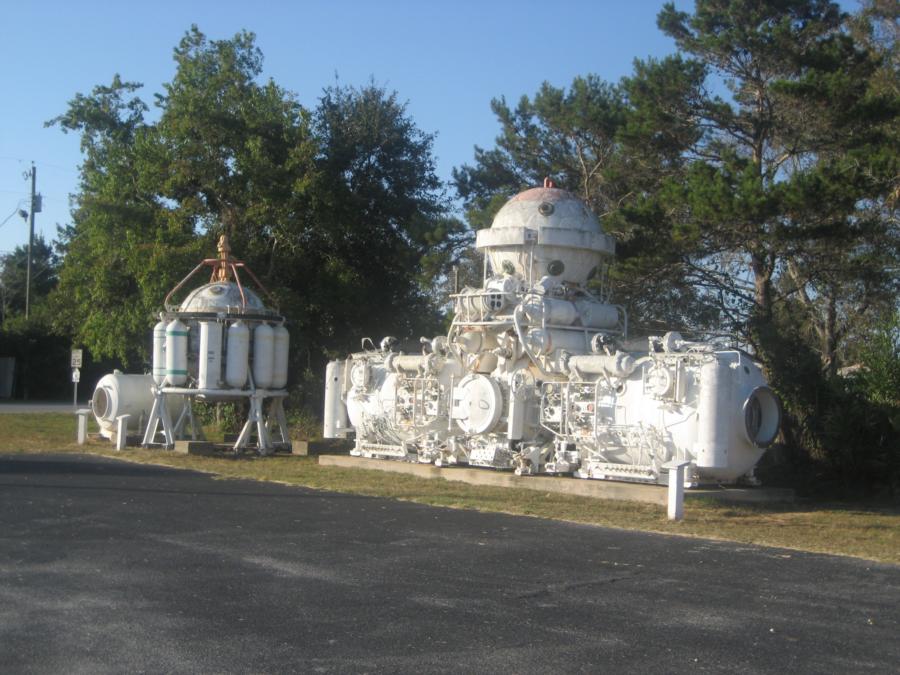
(76, 359)
(76, 375)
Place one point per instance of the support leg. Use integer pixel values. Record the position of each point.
(152, 421)
(276, 422)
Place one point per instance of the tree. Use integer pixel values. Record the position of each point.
(569, 135)
(770, 206)
(13, 276)
(122, 250)
(378, 228)
(784, 212)
(338, 209)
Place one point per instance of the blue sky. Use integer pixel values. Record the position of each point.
(447, 59)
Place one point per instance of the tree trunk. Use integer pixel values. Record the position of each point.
(829, 339)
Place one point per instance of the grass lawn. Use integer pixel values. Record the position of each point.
(865, 531)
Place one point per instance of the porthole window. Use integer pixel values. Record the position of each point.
(555, 268)
(545, 209)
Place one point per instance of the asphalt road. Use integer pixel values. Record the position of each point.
(109, 567)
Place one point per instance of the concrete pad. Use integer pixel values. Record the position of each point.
(300, 448)
(653, 494)
(596, 489)
(194, 448)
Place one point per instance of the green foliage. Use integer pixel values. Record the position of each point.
(879, 378)
(337, 210)
(14, 275)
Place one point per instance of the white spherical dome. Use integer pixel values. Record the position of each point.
(221, 296)
(546, 207)
(545, 231)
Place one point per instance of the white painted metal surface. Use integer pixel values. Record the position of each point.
(335, 410)
(539, 376)
(176, 353)
(236, 367)
(282, 342)
(118, 394)
(159, 352)
(263, 355)
(188, 352)
(210, 369)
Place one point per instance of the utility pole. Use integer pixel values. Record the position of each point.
(30, 241)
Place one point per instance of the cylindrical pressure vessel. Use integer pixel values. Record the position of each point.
(620, 364)
(597, 314)
(176, 353)
(159, 353)
(119, 394)
(550, 310)
(335, 410)
(714, 415)
(210, 355)
(263, 355)
(547, 341)
(238, 352)
(282, 345)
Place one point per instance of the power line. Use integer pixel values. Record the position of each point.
(15, 211)
(55, 166)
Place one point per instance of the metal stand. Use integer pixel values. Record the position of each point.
(264, 424)
(271, 429)
(159, 413)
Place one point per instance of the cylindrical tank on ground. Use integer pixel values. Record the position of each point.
(715, 415)
(282, 351)
(236, 358)
(335, 410)
(119, 394)
(176, 353)
(210, 355)
(263, 355)
(159, 353)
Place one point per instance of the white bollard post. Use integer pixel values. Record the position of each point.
(676, 488)
(82, 424)
(121, 431)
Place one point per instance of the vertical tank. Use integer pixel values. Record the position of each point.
(714, 415)
(335, 411)
(282, 350)
(210, 355)
(176, 353)
(238, 352)
(263, 355)
(159, 353)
